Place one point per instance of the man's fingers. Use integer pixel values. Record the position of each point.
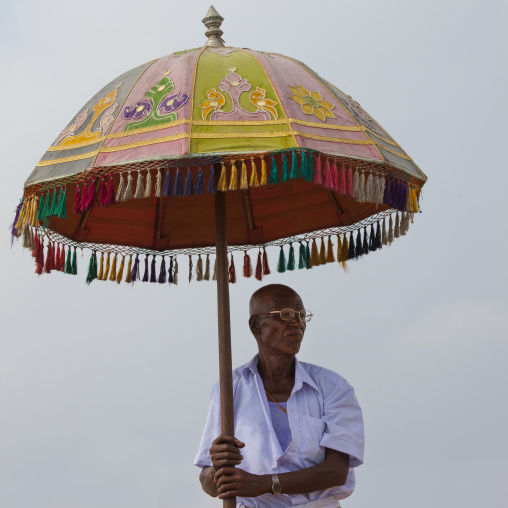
(224, 439)
(225, 471)
(238, 443)
(224, 448)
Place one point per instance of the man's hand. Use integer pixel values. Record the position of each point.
(225, 452)
(233, 482)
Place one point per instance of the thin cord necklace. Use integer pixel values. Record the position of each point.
(280, 407)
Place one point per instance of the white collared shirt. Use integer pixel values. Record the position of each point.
(323, 413)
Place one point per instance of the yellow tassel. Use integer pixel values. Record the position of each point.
(314, 254)
(243, 179)
(112, 274)
(21, 218)
(322, 253)
(222, 185)
(101, 267)
(106, 270)
(33, 215)
(345, 249)
(415, 201)
(264, 176)
(254, 182)
(339, 248)
(128, 276)
(330, 258)
(119, 275)
(233, 183)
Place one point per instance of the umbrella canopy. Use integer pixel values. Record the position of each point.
(303, 162)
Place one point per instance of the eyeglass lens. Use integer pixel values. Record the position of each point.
(289, 314)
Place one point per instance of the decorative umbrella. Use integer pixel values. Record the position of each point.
(216, 150)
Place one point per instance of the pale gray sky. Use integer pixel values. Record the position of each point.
(104, 389)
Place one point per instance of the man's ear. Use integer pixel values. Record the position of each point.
(254, 325)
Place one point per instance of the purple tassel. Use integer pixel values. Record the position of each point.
(110, 198)
(103, 193)
(145, 275)
(379, 244)
(365, 242)
(359, 245)
(167, 184)
(403, 203)
(14, 231)
(387, 196)
(162, 272)
(153, 276)
(395, 194)
(372, 239)
(200, 188)
(189, 187)
(352, 251)
(135, 269)
(170, 271)
(211, 181)
(178, 184)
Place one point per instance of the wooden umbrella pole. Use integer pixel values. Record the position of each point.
(225, 363)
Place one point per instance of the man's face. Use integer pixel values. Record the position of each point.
(274, 335)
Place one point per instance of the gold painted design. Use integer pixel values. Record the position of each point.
(54, 148)
(312, 103)
(215, 101)
(257, 97)
(145, 142)
(220, 135)
(238, 122)
(326, 126)
(401, 155)
(82, 156)
(151, 128)
(389, 141)
(335, 140)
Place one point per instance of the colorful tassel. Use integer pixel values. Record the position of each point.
(233, 182)
(135, 270)
(146, 273)
(310, 168)
(342, 180)
(128, 275)
(302, 258)
(27, 237)
(211, 180)
(190, 268)
(396, 229)
(189, 184)
(100, 275)
(48, 264)
(294, 165)
(339, 248)
(206, 276)
(369, 189)
(112, 272)
(162, 272)
(231, 271)
(254, 182)
(322, 252)
(57, 258)
(328, 183)
(148, 184)
(200, 185)
(105, 275)
(54, 204)
(40, 210)
(167, 184)
(199, 269)
(68, 264)
(379, 244)
(307, 256)
(214, 276)
(314, 254)
(222, 186)
(170, 271)
(345, 249)
(359, 245)
(352, 248)
(291, 258)
(103, 192)
(121, 189)
(266, 268)
(47, 207)
(39, 258)
(243, 180)
(88, 197)
(382, 182)
(384, 237)
(175, 272)
(247, 265)
(281, 265)
(153, 268)
(372, 239)
(259, 267)
(178, 190)
(365, 245)
(335, 176)
(264, 176)
(92, 268)
(361, 196)
(274, 174)
(330, 258)
(303, 165)
(390, 231)
(128, 188)
(285, 169)
(119, 274)
(375, 191)
(158, 184)
(350, 182)
(318, 173)
(62, 259)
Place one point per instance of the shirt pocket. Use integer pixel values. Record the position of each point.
(311, 433)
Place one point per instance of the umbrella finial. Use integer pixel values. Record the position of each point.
(213, 20)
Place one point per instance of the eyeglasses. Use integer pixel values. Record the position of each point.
(289, 314)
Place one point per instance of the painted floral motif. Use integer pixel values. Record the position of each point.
(103, 109)
(234, 85)
(160, 106)
(362, 117)
(312, 103)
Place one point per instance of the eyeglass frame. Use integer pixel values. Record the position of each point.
(294, 314)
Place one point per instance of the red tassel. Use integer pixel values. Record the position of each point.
(328, 175)
(259, 268)
(36, 244)
(247, 265)
(84, 195)
(62, 259)
(104, 193)
(88, 196)
(342, 180)
(50, 258)
(57, 258)
(39, 259)
(110, 198)
(318, 173)
(350, 181)
(266, 268)
(335, 177)
(232, 272)
(77, 200)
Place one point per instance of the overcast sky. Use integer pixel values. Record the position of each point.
(104, 389)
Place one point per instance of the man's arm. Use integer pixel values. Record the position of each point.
(237, 482)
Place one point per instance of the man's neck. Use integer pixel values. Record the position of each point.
(277, 371)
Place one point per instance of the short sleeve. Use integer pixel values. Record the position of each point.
(344, 423)
(211, 430)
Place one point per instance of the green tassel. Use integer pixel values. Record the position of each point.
(303, 166)
(47, 207)
(54, 204)
(285, 169)
(62, 204)
(274, 174)
(281, 265)
(307, 256)
(302, 258)
(310, 169)
(92, 268)
(74, 263)
(291, 260)
(68, 263)
(40, 210)
(294, 166)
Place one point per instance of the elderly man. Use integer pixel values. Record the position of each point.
(298, 427)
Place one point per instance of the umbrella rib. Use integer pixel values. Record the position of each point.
(248, 210)
(334, 201)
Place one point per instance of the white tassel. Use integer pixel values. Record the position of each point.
(369, 189)
(148, 185)
(356, 185)
(381, 195)
(175, 273)
(396, 229)
(402, 229)
(199, 269)
(121, 189)
(361, 187)
(158, 184)
(390, 231)
(139, 187)
(128, 189)
(375, 192)
(384, 238)
(207, 268)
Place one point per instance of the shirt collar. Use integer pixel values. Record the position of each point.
(301, 375)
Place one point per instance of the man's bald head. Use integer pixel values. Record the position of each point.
(274, 297)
